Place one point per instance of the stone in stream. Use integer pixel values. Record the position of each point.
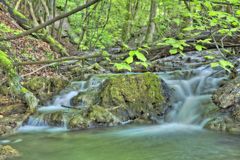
(133, 97)
(45, 87)
(12, 117)
(7, 152)
(113, 99)
(227, 98)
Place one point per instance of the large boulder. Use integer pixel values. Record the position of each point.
(227, 98)
(133, 97)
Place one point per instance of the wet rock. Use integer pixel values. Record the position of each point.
(12, 117)
(7, 152)
(101, 116)
(45, 87)
(85, 99)
(54, 119)
(78, 121)
(132, 97)
(228, 95)
(227, 98)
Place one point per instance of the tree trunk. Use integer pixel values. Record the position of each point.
(151, 24)
(127, 25)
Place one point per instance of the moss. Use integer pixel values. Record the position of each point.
(78, 121)
(44, 88)
(99, 114)
(5, 62)
(134, 96)
(56, 45)
(6, 29)
(142, 88)
(19, 14)
(54, 119)
(14, 81)
(37, 83)
(24, 90)
(7, 152)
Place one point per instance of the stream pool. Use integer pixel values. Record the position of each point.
(157, 142)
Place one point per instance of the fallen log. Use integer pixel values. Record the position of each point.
(72, 58)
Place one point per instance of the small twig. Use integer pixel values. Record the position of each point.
(28, 74)
(216, 44)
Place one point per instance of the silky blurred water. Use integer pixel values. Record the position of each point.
(160, 142)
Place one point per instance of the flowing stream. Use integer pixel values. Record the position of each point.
(180, 137)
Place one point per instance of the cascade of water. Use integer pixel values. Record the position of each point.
(61, 103)
(189, 96)
(191, 91)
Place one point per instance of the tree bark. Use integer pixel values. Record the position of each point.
(151, 24)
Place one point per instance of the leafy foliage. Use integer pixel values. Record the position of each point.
(126, 65)
(224, 64)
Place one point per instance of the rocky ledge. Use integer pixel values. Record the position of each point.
(227, 98)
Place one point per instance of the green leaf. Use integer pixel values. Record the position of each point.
(177, 21)
(132, 53)
(108, 59)
(141, 56)
(226, 64)
(238, 13)
(173, 51)
(105, 54)
(191, 28)
(123, 66)
(214, 64)
(208, 41)
(199, 47)
(129, 60)
(209, 57)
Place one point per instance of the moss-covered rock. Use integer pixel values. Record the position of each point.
(78, 121)
(102, 116)
(133, 96)
(45, 87)
(94, 116)
(12, 117)
(7, 152)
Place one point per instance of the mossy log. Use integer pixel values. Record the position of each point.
(14, 82)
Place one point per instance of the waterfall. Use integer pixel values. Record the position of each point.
(190, 94)
(61, 103)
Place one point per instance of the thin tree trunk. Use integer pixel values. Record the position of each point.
(151, 24)
(53, 15)
(127, 25)
(59, 32)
